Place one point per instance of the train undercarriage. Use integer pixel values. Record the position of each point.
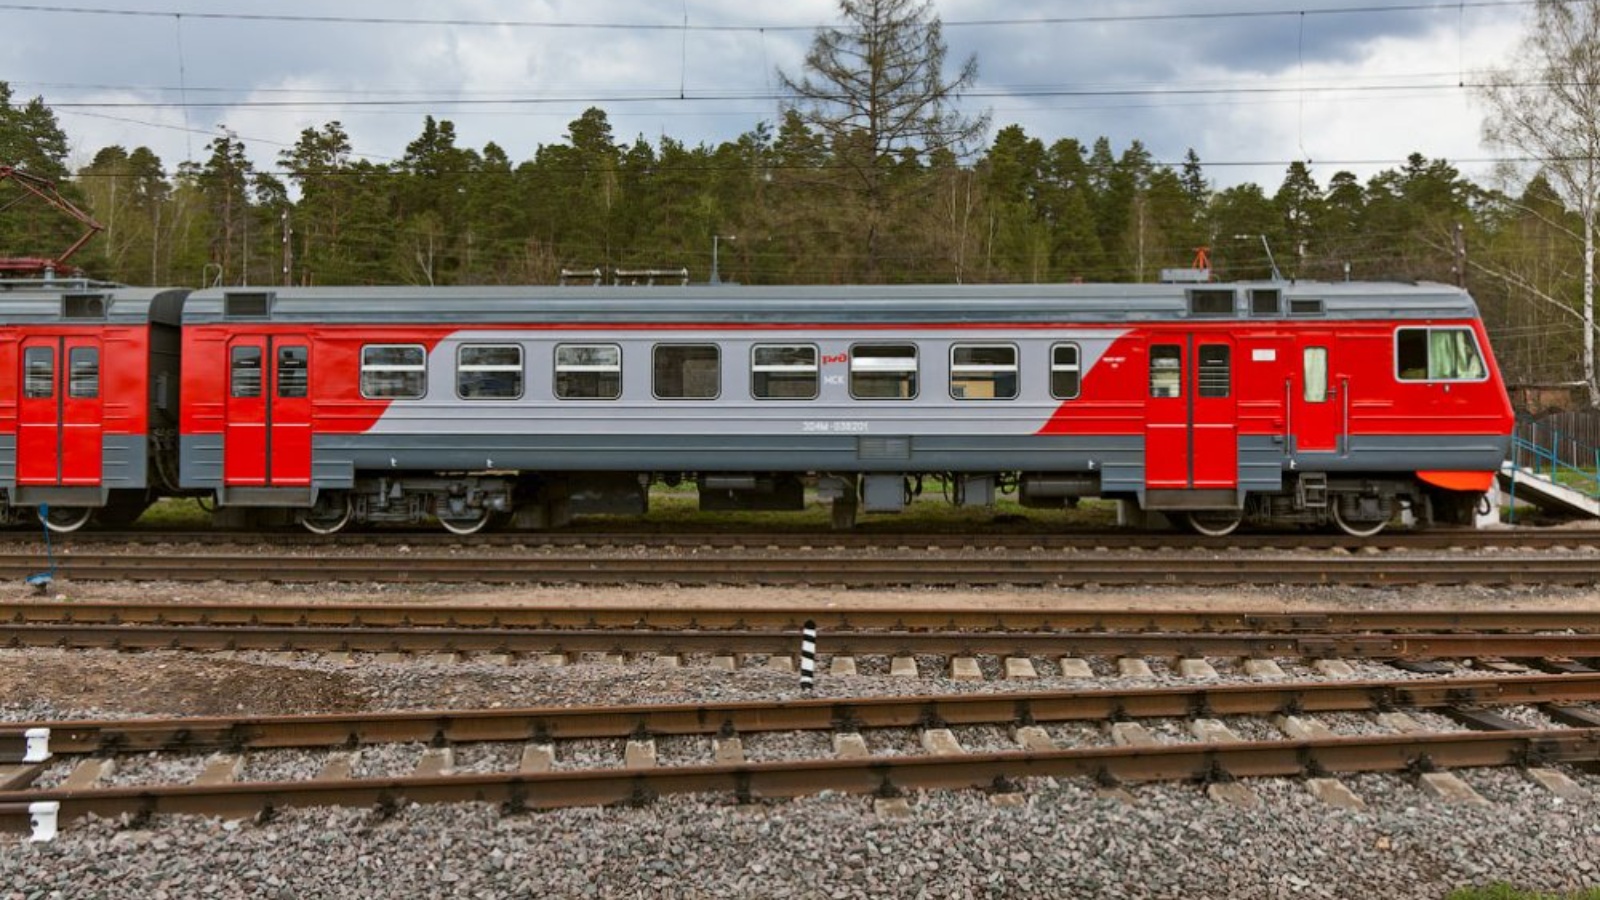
(466, 503)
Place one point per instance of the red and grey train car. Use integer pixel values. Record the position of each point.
(89, 378)
(1273, 403)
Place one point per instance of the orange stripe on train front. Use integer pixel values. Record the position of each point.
(1477, 482)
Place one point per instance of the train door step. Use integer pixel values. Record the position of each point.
(1311, 490)
(1191, 499)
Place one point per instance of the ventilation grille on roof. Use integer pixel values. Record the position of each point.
(247, 305)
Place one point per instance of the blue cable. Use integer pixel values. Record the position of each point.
(42, 580)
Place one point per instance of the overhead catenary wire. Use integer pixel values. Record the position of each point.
(1011, 22)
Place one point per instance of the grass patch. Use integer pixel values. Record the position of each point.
(1507, 892)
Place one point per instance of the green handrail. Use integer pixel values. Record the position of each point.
(1548, 454)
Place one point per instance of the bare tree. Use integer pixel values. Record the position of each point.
(875, 88)
(1547, 106)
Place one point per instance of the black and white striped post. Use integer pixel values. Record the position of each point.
(808, 655)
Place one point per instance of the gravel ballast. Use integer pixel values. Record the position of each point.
(1064, 840)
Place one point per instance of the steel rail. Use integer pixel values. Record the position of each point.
(862, 538)
(873, 775)
(662, 641)
(828, 617)
(885, 569)
(542, 724)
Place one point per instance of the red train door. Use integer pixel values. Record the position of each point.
(59, 421)
(267, 436)
(1317, 403)
(1215, 417)
(1191, 422)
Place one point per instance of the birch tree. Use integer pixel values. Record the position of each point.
(1547, 107)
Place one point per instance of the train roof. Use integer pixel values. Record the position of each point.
(77, 302)
(894, 304)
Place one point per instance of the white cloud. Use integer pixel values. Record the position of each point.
(572, 69)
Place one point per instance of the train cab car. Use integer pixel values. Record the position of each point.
(88, 400)
(1283, 404)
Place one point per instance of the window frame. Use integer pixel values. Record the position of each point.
(521, 369)
(1015, 368)
(31, 380)
(299, 391)
(815, 369)
(1076, 369)
(235, 354)
(1206, 390)
(915, 368)
(1323, 385)
(559, 368)
(1177, 370)
(74, 392)
(1428, 331)
(421, 367)
(655, 387)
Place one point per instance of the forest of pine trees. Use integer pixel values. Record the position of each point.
(1026, 209)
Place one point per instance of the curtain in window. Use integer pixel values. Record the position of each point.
(1441, 354)
(1468, 363)
(1315, 363)
(1452, 353)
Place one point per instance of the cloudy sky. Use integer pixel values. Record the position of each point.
(1249, 84)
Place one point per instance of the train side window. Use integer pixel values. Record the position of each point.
(1215, 379)
(686, 371)
(1166, 370)
(1314, 363)
(83, 373)
(588, 372)
(983, 372)
(1438, 354)
(883, 371)
(783, 372)
(292, 380)
(39, 367)
(1065, 371)
(244, 372)
(394, 371)
(489, 372)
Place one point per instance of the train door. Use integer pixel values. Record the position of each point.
(59, 439)
(1316, 402)
(1191, 422)
(267, 436)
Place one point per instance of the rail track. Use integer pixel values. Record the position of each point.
(917, 567)
(540, 780)
(510, 631)
(999, 538)
(830, 617)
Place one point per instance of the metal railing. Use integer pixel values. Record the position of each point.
(1548, 453)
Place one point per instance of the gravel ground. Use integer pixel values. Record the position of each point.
(1063, 840)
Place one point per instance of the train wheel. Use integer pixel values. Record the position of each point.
(1216, 523)
(331, 514)
(467, 526)
(65, 519)
(1353, 526)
